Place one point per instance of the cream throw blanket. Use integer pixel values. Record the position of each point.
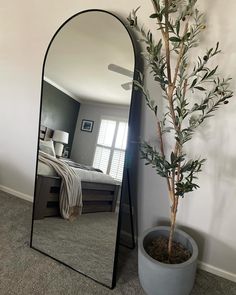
(70, 200)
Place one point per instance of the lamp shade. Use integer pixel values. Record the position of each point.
(60, 136)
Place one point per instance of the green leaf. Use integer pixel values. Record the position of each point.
(154, 15)
(212, 72)
(172, 157)
(155, 110)
(178, 27)
(175, 39)
(200, 88)
(186, 36)
(205, 76)
(135, 11)
(171, 27)
(194, 83)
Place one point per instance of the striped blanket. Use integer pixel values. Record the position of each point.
(70, 192)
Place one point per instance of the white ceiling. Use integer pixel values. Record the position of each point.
(78, 58)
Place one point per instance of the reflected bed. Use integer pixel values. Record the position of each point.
(99, 191)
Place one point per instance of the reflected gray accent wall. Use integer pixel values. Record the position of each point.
(59, 111)
(84, 143)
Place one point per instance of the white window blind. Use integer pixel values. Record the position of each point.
(117, 164)
(110, 150)
(121, 138)
(101, 158)
(106, 133)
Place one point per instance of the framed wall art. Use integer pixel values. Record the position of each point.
(87, 125)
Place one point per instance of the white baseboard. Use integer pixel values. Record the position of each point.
(16, 193)
(217, 271)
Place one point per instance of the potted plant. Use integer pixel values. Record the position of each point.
(191, 93)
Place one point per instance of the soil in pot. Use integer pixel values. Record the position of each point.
(158, 250)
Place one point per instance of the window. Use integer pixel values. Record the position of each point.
(110, 150)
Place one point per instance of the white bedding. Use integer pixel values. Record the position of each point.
(44, 169)
(93, 176)
(89, 176)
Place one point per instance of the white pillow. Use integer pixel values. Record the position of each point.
(47, 147)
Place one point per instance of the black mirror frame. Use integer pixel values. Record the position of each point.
(134, 108)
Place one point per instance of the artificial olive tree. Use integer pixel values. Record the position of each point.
(181, 76)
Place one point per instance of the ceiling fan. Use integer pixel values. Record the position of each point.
(122, 71)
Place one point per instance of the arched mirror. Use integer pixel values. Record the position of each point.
(84, 126)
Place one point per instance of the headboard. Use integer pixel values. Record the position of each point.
(45, 133)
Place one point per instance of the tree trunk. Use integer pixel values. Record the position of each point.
(172, 226)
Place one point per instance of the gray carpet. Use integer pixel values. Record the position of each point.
(24, 271)
(86, 244)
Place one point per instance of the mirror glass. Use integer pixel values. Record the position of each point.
(86, 96)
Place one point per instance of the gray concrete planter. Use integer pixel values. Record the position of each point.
(166, 279)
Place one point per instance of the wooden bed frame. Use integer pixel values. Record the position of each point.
(97, 197)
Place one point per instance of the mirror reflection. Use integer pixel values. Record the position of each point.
(86, 97)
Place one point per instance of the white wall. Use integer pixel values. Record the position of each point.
(26, 28)
(84, 143)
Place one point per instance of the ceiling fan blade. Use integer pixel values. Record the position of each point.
(127, 86)
(120, 70)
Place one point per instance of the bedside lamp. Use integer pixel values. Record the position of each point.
(60, 138)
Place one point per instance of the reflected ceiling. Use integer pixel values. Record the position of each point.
(79, 56)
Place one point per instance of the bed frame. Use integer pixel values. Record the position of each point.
(97, 197)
